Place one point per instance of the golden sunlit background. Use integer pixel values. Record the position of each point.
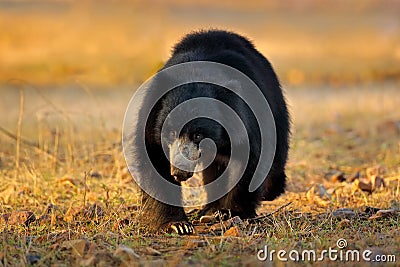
(109, 43)
(69, 68)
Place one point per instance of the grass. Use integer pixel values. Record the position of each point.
(79, 188)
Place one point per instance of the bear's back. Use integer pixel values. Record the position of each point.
(213, 41)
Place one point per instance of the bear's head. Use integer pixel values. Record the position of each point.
(199, 141)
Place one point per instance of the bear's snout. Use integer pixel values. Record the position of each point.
(180, 175)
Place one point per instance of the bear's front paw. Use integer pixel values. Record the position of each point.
(181, 228)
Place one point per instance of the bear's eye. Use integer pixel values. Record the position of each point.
(197, 137)
(172, 135)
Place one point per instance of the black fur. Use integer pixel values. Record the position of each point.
(238, 52)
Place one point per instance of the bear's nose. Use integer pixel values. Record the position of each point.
(180, 175)
(189, 151)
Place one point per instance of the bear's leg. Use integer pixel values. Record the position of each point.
(274, 185)
(163, 217)
(238, 202)
(157, 215)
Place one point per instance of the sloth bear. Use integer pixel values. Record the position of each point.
(176, 161)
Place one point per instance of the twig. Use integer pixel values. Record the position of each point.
(29, 143)
(13, 136)
(84, 192)
(54, 106)
(55, 154)
(43, 96)
(19, 127)
(270, 213)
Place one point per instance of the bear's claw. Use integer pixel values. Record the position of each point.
(181, 228)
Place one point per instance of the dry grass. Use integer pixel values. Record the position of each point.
(78, 169)
(64, 162)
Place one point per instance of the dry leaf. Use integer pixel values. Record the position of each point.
(226, 224)
(66, 180)
(91, 212)
(370, 184)
(207, 219)
(78, 246)
(316, 193)
(318, 190)
(126, 254)
(152, 251)
(19, 218)
(330, 191)
(338, 177)
(383, 214)
(362, 185)
(377, 182)
(71, 213)
(233, 231)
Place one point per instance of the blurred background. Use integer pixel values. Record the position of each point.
(109, 43)
(69, 68)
